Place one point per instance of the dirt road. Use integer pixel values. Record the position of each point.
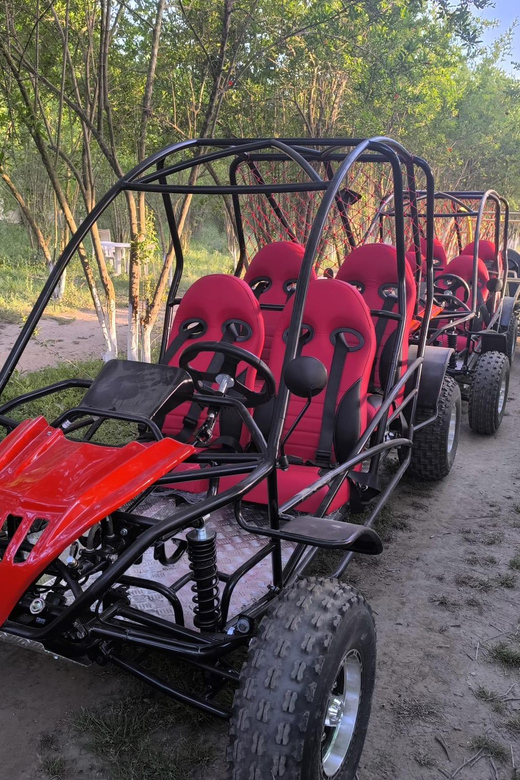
(446, 594)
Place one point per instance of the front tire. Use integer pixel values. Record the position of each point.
(435, 446)
(303, 705)
(488, 393)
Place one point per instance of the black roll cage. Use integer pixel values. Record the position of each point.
(262, 465)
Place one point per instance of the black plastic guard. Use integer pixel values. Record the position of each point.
(434, 367)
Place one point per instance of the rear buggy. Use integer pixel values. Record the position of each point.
(263, 427)
(476, 297)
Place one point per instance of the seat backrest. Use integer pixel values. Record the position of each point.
(338, 330)
(463, 266)
(439, 256)
(486, 252)
(217, 307)
(272, 275)
(372, 269)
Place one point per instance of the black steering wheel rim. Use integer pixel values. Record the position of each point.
(447, 295)
(232, 355)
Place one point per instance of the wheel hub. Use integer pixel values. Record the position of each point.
(452, 429)
(502, 395)
(335, 711)
(341, 714)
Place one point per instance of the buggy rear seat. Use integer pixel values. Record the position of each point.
(272, 275)
(487, 253)
(463, 266)
(372, 269)
(440, 260)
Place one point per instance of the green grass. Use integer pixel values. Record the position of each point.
(514, 563)
(507, 654)
(491, 746)
(53, 405)
(146, 738)
(53, 767)
(513, 724)
(23, 273)
(507, 580)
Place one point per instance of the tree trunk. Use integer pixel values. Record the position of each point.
(24, 208)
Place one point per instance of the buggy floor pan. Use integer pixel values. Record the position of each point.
(234, 547)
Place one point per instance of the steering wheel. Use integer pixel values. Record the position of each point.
(232, 356)
(453, 282)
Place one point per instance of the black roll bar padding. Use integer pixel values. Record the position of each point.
(34, 395)
(508, 307)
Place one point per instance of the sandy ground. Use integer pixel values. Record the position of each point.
(443, 597)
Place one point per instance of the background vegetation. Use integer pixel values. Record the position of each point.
(90, 87)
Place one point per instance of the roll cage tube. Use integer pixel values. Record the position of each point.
(385, 149)
(390, 150)
(125, 183)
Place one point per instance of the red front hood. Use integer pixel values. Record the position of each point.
(71, 485)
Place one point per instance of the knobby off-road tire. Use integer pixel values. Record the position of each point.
(435, 446)
(511, 336)
(314, 657)
(488, 393)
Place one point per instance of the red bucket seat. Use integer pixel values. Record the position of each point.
(338, 330)
(486, 252)
(440, 261)
(372, 269)
(217, 307)
(463, 266)
(272, 275)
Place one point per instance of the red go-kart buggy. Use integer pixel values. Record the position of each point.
(250, 446)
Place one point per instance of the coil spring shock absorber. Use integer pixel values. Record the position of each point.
(202, 553)
(452, 344)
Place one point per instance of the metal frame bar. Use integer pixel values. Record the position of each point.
(175, 638)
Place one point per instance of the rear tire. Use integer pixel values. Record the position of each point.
(303, 705)
(488, 393)
(435, 446)
(511, 337)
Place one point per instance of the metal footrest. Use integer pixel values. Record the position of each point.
(322, 532)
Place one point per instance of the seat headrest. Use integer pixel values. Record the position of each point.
(439, 255)
(373, 265)
(486, 250)
(439, 252)
(220, 297)
(463, 266)
(277, 265)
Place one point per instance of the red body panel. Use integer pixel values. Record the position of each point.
(72, 485)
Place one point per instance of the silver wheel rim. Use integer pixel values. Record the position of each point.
(341, 715)
(452, 430)
(502, 396)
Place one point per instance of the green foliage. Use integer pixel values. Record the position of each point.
(413, 70)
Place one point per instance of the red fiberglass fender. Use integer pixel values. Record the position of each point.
(69, 484)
